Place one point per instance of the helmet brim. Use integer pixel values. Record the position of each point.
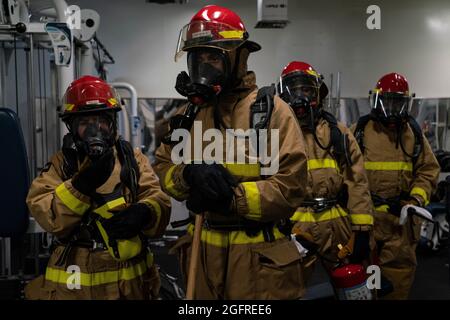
(252, 46)
(101, 108)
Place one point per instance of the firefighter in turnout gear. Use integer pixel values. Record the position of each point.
(337, 201)
(243, 254)
(401, 169)
(101, 200)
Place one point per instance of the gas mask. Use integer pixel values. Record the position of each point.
(94, 133)
(301, 106)
(391, 108)
(208, 75)
(301, 93)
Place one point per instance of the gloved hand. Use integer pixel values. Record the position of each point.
(211, 181)
(128, 222)
(199, 204)
(94, 173)
(361, 247)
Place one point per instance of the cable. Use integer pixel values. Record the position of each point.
(100, 63)
(45, 104)
(43, 161)
(15, 76)
(400, 140)
(313, 129)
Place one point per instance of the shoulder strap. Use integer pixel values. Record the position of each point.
(129, 174)
(338, 139)
(181, 121)
(418, 141)
(359, 130)
(70, 157)
(261, 110)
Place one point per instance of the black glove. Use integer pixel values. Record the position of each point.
(361, 247)
(211, 181)
(199, 204)
(94, 173)
(128, 222)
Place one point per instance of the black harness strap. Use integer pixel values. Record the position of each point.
(261, 110)
(129, 173)
(359, 130)
(339, 140)
(418, 142)
(415, 127)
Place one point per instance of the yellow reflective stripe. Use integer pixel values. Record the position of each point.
(70, 201)
(253, 200)
(68, 106)
(382, 208)
(312, 72)
(215, 238)
(244, 169)
(314, 164)
(170, 184)
(232, 34)
(103, 210)
(155, 205)
(303, 217)
(112, 101)
(223, 239)
(389, 166)
(333, 213)
(420, 192)
(99, 278)
(361, 218)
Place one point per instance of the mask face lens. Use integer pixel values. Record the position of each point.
(206, 57)
(304, 91)
(299, 86)
(95, 132)
(207, 67)
(392, 105)
(91, 126)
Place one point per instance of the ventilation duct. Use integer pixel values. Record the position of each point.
(272, 14)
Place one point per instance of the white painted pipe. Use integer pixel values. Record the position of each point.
(65, 73)
(135, 119)
(87, 63)
(23, 12)
(124, 122)
(48, 12)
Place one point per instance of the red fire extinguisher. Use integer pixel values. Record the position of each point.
(349, 281)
